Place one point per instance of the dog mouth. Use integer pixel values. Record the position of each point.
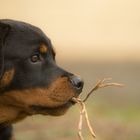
(54, 111)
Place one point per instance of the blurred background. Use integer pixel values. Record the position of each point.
(94, 39)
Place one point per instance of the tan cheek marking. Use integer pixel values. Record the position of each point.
(12, 103)
(7, 113)
(57, 94)
(43, 48)
(7, 78)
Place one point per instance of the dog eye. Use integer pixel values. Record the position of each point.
(35, 58)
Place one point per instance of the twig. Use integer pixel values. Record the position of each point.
(102, 84)
(89, 124)
(83, 111)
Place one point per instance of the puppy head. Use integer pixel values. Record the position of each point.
(31, 82)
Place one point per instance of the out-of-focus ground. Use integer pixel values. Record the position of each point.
(114, 112)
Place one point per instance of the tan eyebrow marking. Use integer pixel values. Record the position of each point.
(7, 78)
(43, 48)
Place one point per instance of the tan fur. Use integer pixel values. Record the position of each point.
(7, 78)
(9, 113)
(43, 48)
(15, 104)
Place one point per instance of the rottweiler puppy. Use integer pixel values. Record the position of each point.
(30, 80)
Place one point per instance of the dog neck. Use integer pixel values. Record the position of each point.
(10, 115)
(5, 132)
(6, 114)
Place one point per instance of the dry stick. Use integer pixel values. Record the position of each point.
(83, 111)
(101, 84)
(89, 124)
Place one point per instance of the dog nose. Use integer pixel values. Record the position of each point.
(77, 82)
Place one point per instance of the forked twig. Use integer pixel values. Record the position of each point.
(83, 111)
(102, 84)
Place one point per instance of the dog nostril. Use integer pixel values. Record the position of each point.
(77, 82)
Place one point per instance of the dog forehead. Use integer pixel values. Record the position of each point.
(25, 38)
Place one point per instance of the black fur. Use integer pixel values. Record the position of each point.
(5, 132)
(23, 41)
(19, 41)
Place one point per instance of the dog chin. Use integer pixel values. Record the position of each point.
(53, 111)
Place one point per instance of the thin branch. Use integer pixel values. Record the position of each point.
(80, 125)
(89, 124)
(102, 84)
(83, 111)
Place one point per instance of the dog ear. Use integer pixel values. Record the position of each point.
(4, 30)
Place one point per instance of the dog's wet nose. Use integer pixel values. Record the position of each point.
(77, 83)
